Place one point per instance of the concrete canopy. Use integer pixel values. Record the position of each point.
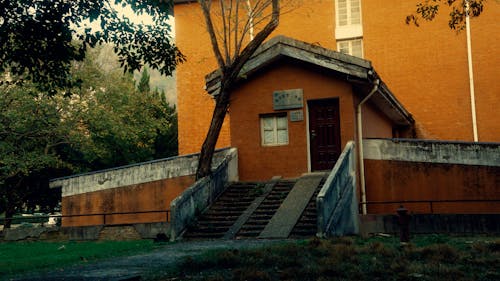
(359, 72)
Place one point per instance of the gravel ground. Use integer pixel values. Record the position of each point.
(138, 267)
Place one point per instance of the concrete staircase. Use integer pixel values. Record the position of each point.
(266, 210)
(276, 209)
(217, 220)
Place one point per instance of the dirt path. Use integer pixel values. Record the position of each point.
(139, 267)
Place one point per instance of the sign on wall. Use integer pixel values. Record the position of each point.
(288, 99)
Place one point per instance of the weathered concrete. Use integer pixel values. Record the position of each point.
(194, 200)
(285, 218)
(151, 230)
(83, 233)
(250, 210)
(466, 153)
(23, 233)
(432, 223)
(336, 202)
(135, 174)
(432, 176)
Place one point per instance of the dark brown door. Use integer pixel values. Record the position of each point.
(324, 133)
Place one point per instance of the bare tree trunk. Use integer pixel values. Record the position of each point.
(208, 147)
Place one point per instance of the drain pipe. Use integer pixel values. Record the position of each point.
(471, 72)
(360, 145)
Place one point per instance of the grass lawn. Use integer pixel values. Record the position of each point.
(431, 257)
(18, 257)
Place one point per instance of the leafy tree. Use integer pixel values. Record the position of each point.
(36, 37)
(122, 125)
(31, 127)
(428, 9)
(233, 44)
(143, 86)
(104, 123)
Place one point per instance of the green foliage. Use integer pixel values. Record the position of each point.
(36, 37)
(104, 123)
(122, 125)
(143, 86)
(31, 127)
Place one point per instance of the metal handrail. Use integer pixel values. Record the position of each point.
(431, 202)
(167, 215)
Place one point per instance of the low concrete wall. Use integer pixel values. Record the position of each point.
(432, 223)
(83, 233)
(336, 203)
(139, 193)
(133, 174)
(432, 176)
(202, 194)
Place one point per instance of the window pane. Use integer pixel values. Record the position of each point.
(269, 137)
(343, 47)
(282, 122)
(268, 123)
(282, 136)
(357, 49)
(342, 12)
(355, 12)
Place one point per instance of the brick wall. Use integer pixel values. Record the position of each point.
(426, 68)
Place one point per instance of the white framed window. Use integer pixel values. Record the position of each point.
(353, 47)
(348, 19)
(348, 12)
(274, 129)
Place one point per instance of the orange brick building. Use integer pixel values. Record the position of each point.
(425, 67)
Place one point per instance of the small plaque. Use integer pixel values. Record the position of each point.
(296, 115)
(288, 99)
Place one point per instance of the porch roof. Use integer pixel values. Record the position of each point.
(354, 70)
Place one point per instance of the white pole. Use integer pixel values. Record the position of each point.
(359, 124)
(471, 72)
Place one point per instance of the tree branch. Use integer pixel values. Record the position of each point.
(205, 7)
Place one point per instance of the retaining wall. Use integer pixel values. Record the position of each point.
(447, 177)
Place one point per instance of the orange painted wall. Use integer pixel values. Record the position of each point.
(375, 124)
(426, 67)
(257, 162)
(151, 196)
(398, 180)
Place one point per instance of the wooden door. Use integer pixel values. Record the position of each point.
(324, 133)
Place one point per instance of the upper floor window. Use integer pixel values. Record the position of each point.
(348, 18)
(348, 12)
(352, 47)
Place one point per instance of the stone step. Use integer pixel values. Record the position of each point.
(216, 223)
